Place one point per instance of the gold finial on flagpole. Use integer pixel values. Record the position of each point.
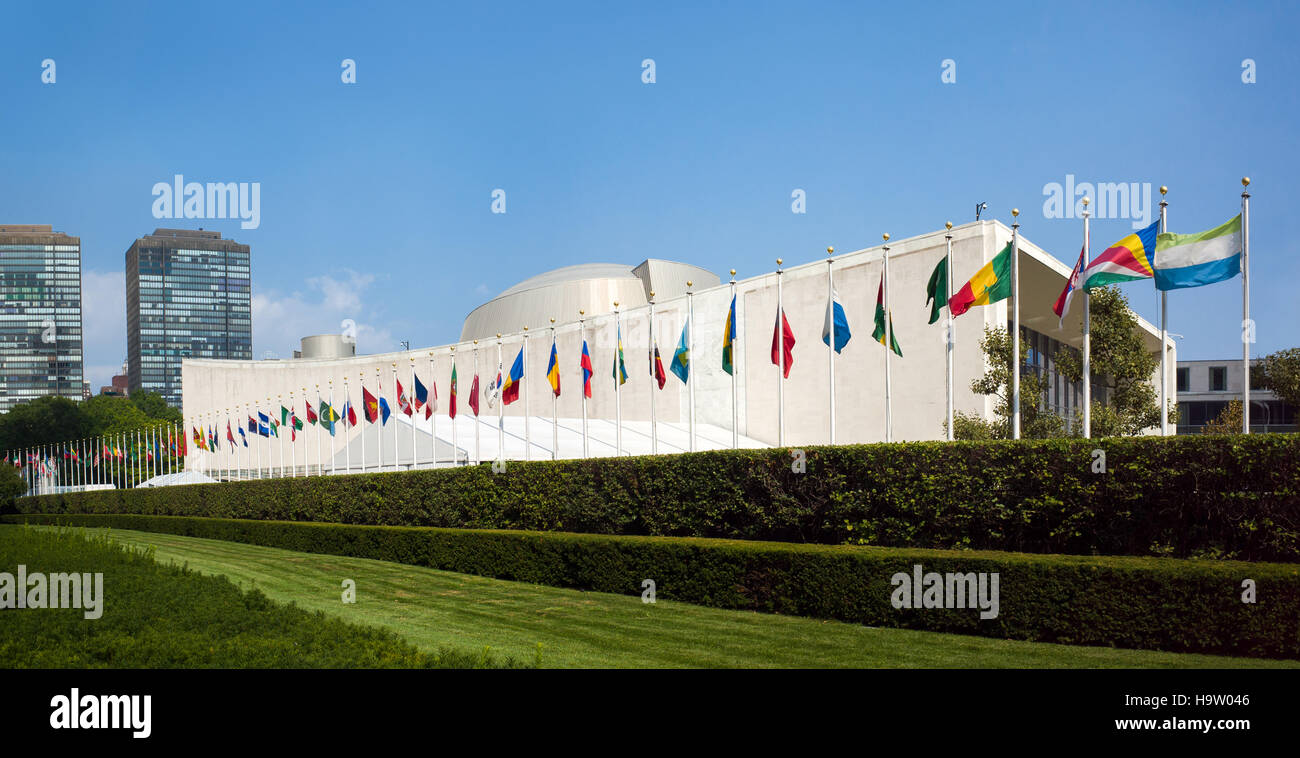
(885, 236)
(830, 251)
(1164, 190)
(1245, 181)
(947, 225)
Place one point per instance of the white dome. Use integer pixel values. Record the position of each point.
(591, 287)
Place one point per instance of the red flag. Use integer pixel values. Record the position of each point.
(451, 402)
(782, 325)
(369, 405)
(311, 415)
(473, 395)
(660, 376)
(403, 404)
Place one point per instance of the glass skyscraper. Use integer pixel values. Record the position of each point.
(187, 296)
(40, 314)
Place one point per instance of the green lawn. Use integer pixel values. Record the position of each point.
(439, 609)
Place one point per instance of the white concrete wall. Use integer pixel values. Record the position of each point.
(918, 378)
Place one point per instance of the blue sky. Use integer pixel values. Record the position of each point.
(376, 196)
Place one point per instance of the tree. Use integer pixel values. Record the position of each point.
(152, 405)
(1121, 364)
(11, 486)
(44, 420)
(1035, 421)
(1228, 421)
(1280, 372)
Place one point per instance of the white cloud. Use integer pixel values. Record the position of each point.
(103, 324)
(280, 321)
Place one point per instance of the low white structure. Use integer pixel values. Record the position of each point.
(217, 390)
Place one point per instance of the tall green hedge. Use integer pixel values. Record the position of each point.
(1215, 496)
(1151, 603)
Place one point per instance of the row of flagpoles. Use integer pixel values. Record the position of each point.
(1174, 261)
(123, 459)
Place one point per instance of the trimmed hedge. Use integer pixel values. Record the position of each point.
(1228, 496)
(1151, 603)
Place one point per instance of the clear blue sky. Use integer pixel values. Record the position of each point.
(376, 196)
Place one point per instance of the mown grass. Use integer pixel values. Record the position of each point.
(162, 615)
(437, 610)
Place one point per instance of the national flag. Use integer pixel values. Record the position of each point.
(328, 417)
(1062, 306)
(230, 434)
(1194, 260)
(421, 395)
(432, 405)
(587, 371)
(311, 414)
(989, 285)
(781, 331)
(284, 416)
(369, 405)
(492, 392)
(835, 312)
(936, 290)
(681, 362)
(350, 412)
(252, 425)
(729, 340)
(473, 395)
(510, 390)
(264, 427)
(451, 400)
(620, 368)
(384, 410)
(1125, 261)
(403, 404)
(297, 422)
(242, 437)
(553, 370)
(657, 368)
(879, 334)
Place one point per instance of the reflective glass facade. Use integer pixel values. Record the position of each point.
(187, 296)
(40, 314)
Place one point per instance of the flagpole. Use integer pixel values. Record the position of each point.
(528, 437)
(379, 413)
(1247, 329)
(618, 403)
(348, 418)
(293, 437)
(830, 319)
(333, 430)
(1015, 324)
(1164, 330)
(690, 355)
(455, 451)
(501, 424)
(478, 450)
(397, 452)
(410, 403)
(279, 437)
(654, 382)
(582, 337)
(889, 341)
(780, 374)
(433, 419)
(1087, 333)
(735, 367)
(555, 402)
(947, 293)
(319, 461)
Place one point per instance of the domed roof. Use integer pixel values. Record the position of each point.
(580, 272)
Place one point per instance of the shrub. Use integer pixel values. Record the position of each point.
(1152, 603)
(1231, 496)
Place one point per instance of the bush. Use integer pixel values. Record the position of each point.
(11, 486)
(1229, 497)
(162, 616)
(1151, 603)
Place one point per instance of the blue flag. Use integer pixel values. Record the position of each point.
(681, 363)
(836, 311)
(264, 424)
(383, 411)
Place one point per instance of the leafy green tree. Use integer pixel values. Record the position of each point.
(1035, 421)
(1120, 363)
(1280, 372)
(11, 486)
(153, 405)
(44, 420)
(110, 414)
(1229, 420)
